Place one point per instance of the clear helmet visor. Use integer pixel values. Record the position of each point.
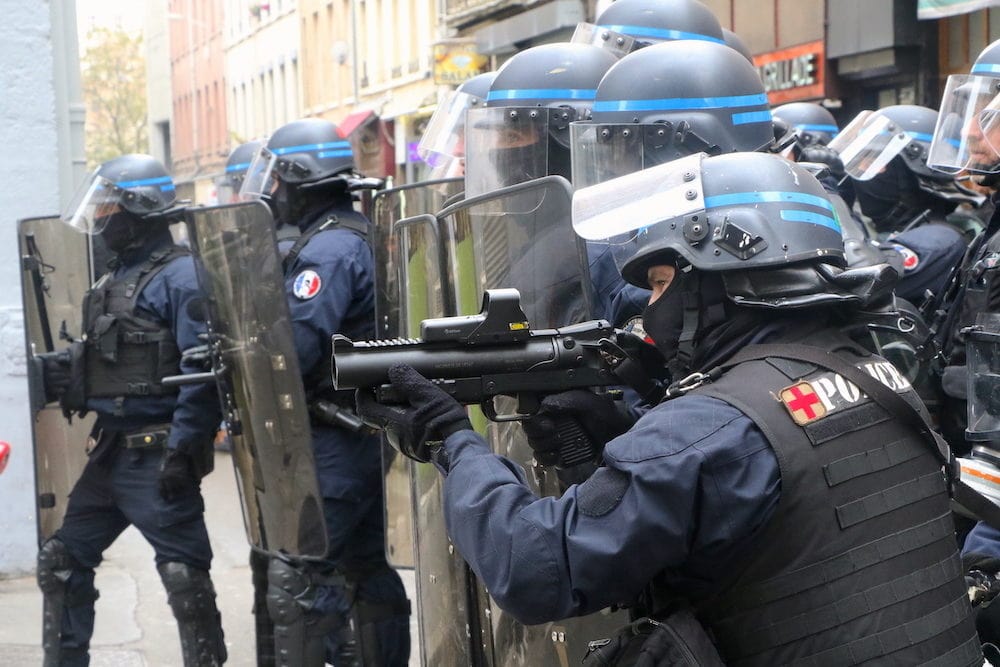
(967, 135)
(443, 140)
(868, 144)
(258, 180)
(505, 146)
(621, 212)
(94, 203)
(605, 151)
(616, 43)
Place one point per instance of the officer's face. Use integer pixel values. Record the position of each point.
(659, 277)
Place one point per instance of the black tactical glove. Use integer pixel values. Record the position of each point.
(824, 155)
(56, 374)
(555, 431)
(177, 475)
(199, 355)
(430, 416)
(983, 582)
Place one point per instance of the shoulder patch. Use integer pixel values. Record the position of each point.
(803, 403)
(910, 259)
(634, 326)
(307, 284)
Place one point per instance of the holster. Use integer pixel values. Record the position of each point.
(678, 640)
(75, 398)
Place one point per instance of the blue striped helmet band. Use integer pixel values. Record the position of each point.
(542, 94)
(638, 31)
(826, 218)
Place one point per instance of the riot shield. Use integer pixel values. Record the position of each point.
(518, 237)
(392, 272)
(55, 275)
(522, 237)
(260, 385)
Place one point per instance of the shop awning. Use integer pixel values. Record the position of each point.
(938, 9)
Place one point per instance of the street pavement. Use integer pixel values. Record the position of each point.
(134, 626)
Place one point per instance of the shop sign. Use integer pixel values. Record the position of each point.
(795, 73)
(456, 61)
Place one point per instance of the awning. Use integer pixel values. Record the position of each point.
(353, 121)
(939, 9)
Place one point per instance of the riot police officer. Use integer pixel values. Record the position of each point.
(237, 164)
(967, 138)
(352, 601)
(700, 508)
(150, 444)
(628, 25)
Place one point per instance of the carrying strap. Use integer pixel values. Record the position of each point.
(356, 226)
(893, 403)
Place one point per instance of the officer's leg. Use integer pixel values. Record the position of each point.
(378, 634)
(68, 597)
(192, 599)
(301, 621)
(380, 618)
(66, 565)
(176, 530)
(263, 625)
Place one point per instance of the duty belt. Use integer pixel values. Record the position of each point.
(147, 438)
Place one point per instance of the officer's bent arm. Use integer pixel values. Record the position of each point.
(197, 413)
(687, 485)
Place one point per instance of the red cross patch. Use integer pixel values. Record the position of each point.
(802, 403)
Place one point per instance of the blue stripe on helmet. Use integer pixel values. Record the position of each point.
(660, 33)
(159, 180)
(809, 127)
(738, 198)
(752, 117)
(241, 166)
(987, 68)
(922, 136)
(347, 153)
(543, 93)
(792, 215)
(310, 148)
(681, 103)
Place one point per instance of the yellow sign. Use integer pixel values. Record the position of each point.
(456, 61)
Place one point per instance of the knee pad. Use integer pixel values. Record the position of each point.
(55, 564)
(192, 599)
(289, 591)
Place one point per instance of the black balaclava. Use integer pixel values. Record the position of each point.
(299, 205)
(893, 198)
(122, 232)
(663, 319)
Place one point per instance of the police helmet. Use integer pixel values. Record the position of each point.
(668, 101)
(628, 25)
(523, 133)
(736, 43)
(967, 134)
(239, 161)
(812, 123)
(762, 223)
(442, 145)
(303, 153)
(135, 183)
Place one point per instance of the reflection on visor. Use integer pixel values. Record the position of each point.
(444, 137)
(868, 144)
(967, 136)
(99, 198)
(622, 206)
(259, 178)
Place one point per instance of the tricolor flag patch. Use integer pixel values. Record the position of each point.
(307, 284)
(803, 403)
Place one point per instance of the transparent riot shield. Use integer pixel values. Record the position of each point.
(388, 208)
(258, 371)
(395, 310)
(55, 275)
(517, 237)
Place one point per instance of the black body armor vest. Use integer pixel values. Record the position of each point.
(858, 564)
(127, 354)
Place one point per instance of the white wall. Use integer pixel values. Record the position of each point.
(30, 187)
